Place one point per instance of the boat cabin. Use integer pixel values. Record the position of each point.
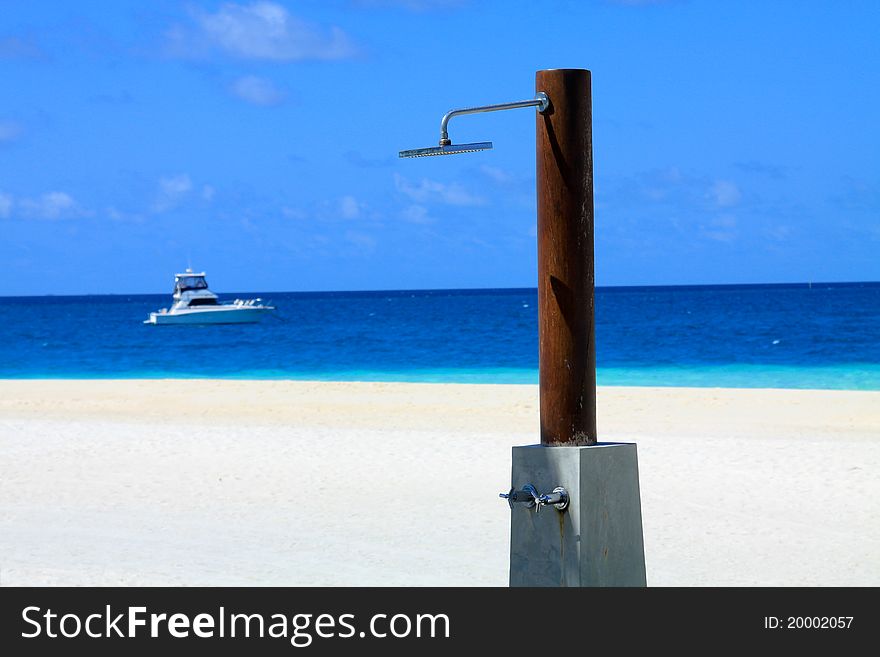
(191, 289)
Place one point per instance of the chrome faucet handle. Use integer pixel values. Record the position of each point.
(529, 496)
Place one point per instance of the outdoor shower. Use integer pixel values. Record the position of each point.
(594, 536)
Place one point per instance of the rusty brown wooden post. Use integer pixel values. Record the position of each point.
(567, 349)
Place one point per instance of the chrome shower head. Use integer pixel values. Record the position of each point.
(541, 101)
(449, 149)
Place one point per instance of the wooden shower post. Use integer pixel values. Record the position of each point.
(567, 351)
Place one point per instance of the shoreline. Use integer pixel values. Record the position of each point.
(464, 406)
(290, 483)
(845, 377)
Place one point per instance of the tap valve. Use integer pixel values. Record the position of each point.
(529, 496)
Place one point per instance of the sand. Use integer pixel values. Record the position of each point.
(208, 482)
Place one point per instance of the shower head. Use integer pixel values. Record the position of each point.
(541, 101)
(449, 149)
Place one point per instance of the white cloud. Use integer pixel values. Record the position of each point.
(175, 185)
(662, 183)
(10, 131)
(414, 5)
(172, 190)
(721, 229)
(416, 214)
(5, 205)
(365, 243)
(259, 30)
(495, 174)
(641, 3)
(51, 205)
(257, 91)
(293, 213)
(116, 214)
(725, 193)
(724, 236)
(779, 233)
(428, 191)
(208, 193)
(349, 208)
(670, 176)
(724, 221)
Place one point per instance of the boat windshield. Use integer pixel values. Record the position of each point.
(185, 283)
(203, 301)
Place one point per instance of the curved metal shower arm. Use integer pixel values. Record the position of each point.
(541, 101)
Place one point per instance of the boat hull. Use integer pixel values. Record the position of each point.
(216, 315)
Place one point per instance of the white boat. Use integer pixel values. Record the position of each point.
(194, 303)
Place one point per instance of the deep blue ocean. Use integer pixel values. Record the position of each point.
(790, 336)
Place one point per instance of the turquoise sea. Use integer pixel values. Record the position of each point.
(789, 336)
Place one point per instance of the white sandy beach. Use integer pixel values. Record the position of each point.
(208, 482)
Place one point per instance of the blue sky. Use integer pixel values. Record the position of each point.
(733, 142)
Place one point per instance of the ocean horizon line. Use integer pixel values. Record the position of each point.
(488, 290)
